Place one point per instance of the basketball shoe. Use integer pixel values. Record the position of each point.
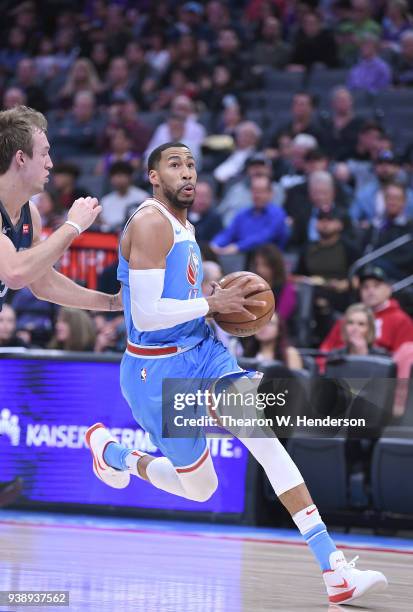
(97, 438)
(345, 583)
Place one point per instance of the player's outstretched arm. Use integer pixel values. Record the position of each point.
(18, 269)
(57, 288)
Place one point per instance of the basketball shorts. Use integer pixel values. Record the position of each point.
(141, 382)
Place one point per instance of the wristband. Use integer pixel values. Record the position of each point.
(75, 225)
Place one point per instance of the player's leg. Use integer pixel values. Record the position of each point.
(344, 583)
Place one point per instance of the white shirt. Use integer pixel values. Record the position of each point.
(116, 205)
(194, 135)
(233, 165)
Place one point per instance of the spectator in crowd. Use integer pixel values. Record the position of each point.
(158, 56)
(395, 224)
(8, 335)
(358, 332)
(110, 334)
(35, 318)
(13, 96)
(14, 51)
(230, 54)
(143, 76)
(74, 331)
(123, 113)
(121, 149)
(205, 219)
(394, 327)
(325, 263)
(239, 196)
(64, 186)
(247, 138)
(216, 88)
(403, 62)
(123, 199)
(395, 23)
(118, 79)
(271, 342)
(51, 215)
(313, 44)
(297, 198)
(28, 81)
(77, 134)
(372, 74)
(341, 130)
(368, 206)
(194, 132)
(268, 262)
(270, 49)
(99, 56)
(301, 146)
(230, 118)
(303, 117)
(351, 30)
(82, 77)
(261, 223)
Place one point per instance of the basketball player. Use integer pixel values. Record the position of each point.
(161, 275)
(25, 165)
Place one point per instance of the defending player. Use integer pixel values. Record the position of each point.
(25, 164)
(161, 275)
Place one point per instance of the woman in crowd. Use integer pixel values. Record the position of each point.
(74, 331)
(271, 343)
(268, 262)
(359, 333)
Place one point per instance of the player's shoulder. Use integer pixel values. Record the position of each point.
(149, 217)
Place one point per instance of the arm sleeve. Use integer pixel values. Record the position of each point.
(150, 311)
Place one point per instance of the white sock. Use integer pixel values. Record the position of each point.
(307, 519)
(162, 474)
(132, 460)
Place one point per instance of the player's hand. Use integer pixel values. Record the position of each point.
(84, 212)
(235, 299)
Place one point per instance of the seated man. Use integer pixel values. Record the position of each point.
(394, 327)
(264, 222)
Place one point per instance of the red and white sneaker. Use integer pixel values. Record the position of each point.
(345, 583)
(97, 438)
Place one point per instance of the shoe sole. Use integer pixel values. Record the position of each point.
(377, 587)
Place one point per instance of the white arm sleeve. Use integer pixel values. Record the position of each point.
(150, 311)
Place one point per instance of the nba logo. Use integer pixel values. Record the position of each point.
(26, 228)
(143, 374)
(192, 267)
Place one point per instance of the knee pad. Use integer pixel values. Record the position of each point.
(201, 483)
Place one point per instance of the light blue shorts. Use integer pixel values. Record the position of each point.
(141, 383)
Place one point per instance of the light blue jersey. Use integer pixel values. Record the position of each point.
(183, 279)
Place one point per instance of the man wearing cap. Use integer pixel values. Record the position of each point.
(394, 327)
(325, 263)
(368, 205)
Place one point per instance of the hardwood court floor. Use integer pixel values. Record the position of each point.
(148, 567)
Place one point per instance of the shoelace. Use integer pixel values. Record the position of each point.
(351, 564)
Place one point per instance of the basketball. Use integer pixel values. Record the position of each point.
(237, 323)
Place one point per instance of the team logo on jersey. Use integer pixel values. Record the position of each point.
(143, 374)
(192, 267)
(26, 228)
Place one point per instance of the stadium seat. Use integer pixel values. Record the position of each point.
(248, 363)
(371, 385)
(390, 474)
(300, 323)
(232, 262)
(322, 463)
(283, 81)
(321, 81)
(407, 418)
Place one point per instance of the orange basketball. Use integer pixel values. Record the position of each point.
(237, 323)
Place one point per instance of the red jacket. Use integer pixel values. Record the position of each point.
(393, 328)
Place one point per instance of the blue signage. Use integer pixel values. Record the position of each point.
(46, 406)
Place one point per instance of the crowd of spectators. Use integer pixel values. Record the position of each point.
(297, 182)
